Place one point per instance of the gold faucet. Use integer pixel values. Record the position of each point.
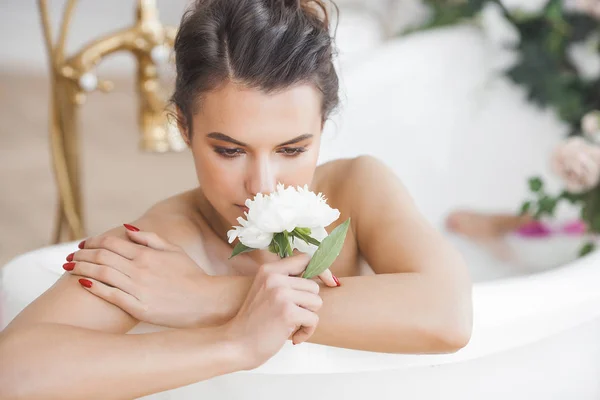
(72, 78)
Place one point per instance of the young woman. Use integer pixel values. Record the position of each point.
(255, 85)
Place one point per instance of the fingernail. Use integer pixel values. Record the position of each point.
(337, 281)
(70, 257)
(85, 283)
(131, 228)
(69, 266)
(81, 245)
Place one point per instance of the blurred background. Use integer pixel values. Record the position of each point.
(454, 56)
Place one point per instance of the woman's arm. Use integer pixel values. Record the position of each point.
(389, 313)
(420, 299)
(42, 359)
(71, 344)
(57, 361)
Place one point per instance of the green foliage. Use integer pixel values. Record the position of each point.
(544, 69)
(586, 249)
(445, 13)
(326, 254)
(549, 79)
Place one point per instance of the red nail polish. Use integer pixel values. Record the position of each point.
(69, 266)
(82, 244)
(337, 281)
(131, 228)
(70, 257)
(85, 283)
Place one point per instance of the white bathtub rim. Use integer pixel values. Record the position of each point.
(506, 317)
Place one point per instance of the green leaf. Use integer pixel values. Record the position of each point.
(288, 244)
(239, 249)
(328, 251)
(284, 249)
(273, 247)
(571, 197)
(305, 237)
(535, 184)
(586, 249)
(525, 208)
(547, 205)
(595, 224)
(304, 231)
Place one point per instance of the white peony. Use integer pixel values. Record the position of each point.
(283, 211)
(250, 235)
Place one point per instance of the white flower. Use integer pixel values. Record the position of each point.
(578, 164)
(584, 57)
(250, 235)
(284, 210)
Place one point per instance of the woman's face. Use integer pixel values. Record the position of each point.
(245, 142)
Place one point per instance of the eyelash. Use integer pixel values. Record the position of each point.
(229, 152)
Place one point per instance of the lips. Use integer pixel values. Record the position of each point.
(243, 208)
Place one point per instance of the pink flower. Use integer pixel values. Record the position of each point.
(590, 125)
(577, 163)
(590, 7)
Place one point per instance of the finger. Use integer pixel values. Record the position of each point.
(306, 321)
(303, 334)
(117, 245)
(329, 279)
(150, 239)
(103, 257)
(102, 273)
(289, 266)
(306, 285)
(124, 301)
(306, 300)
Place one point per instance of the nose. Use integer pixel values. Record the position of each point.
(261, 177)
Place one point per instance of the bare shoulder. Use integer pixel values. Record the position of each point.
(174, 218)
(350, 182)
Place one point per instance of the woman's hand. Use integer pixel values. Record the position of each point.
(152, 280)
(147, 277)
(278, 306)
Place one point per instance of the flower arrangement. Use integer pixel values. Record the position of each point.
(558, 65)
(556, 46)
(288, 219)
(576, 161)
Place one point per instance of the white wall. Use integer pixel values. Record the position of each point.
(21, 41)
(22, 48)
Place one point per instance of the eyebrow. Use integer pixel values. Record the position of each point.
(224, 138)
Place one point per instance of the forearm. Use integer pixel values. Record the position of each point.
(64, 362)
(394, 313)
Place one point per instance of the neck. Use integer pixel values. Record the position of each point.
(219, 227)
(213, 219)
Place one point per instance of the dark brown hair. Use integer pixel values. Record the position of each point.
(269, 45)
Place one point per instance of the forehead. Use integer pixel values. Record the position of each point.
(249, 114)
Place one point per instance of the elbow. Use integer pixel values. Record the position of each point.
(9, 385)
(453, 339)
(453, 328)
(456, 315)
(455, 333)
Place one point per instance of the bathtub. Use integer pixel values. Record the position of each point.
(431, 107)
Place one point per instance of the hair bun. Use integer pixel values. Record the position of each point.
(316, 9)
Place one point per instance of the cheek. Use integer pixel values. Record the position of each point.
(300, 172)
(216, 175)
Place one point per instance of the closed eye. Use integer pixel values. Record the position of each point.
(292, 151)
(229, 152)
